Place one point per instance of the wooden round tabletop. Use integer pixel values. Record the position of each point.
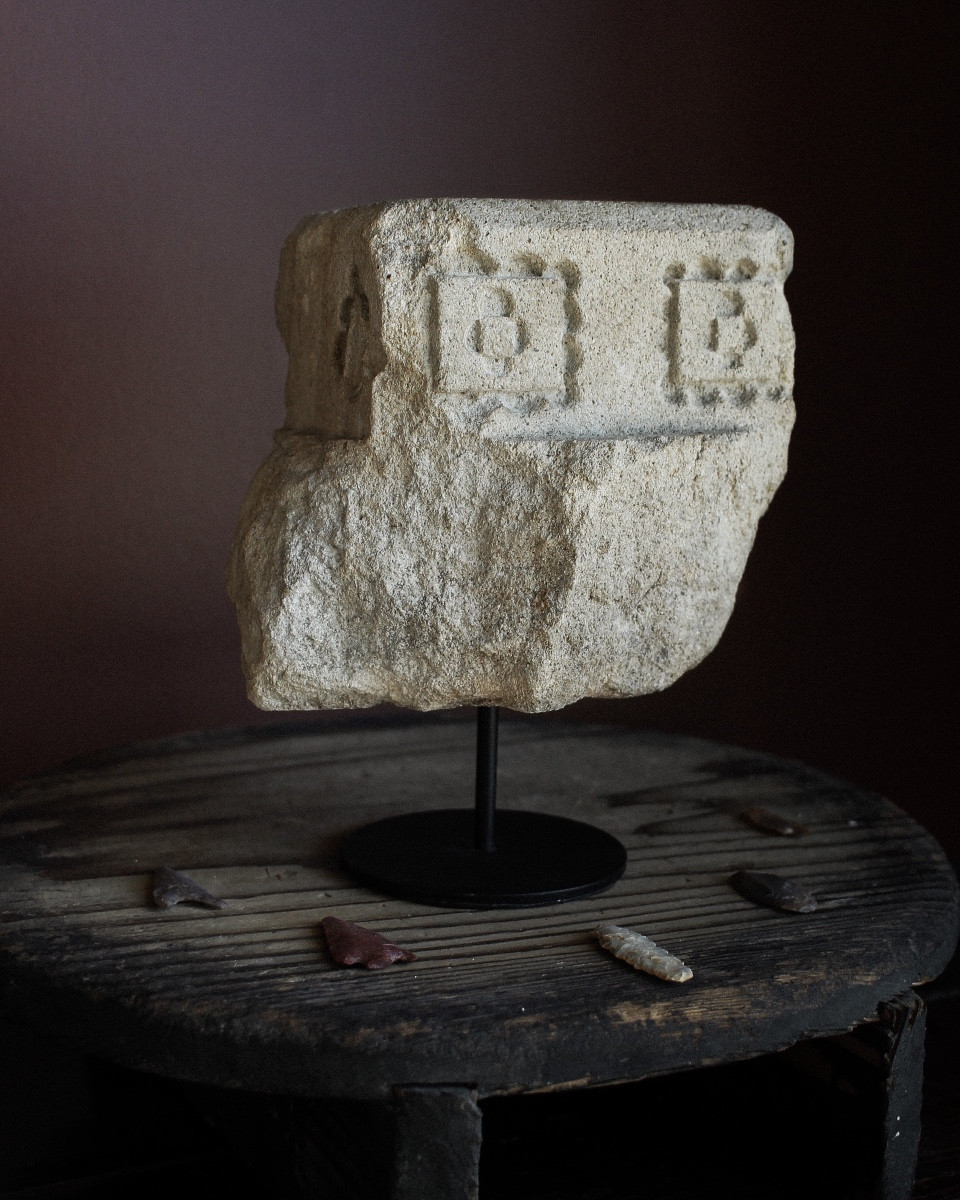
(509, 1000)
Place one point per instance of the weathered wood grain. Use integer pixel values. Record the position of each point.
(903, 1020)
(512, 1000)
(438, 1135)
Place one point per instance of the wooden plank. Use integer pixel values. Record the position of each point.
(904, 1021)
(249, 996)
(438, 1133)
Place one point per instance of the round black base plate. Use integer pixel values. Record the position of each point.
(429, 857)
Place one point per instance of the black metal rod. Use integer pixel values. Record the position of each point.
(486, 793)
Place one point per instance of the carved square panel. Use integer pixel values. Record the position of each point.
(499, 334)
(728, 332)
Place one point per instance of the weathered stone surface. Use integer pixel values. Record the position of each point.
(526, 449)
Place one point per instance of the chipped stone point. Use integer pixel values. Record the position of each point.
(643, 954)
(773, 891)
(771, 822)
(526, 449)
(172, 887)
(352, 945)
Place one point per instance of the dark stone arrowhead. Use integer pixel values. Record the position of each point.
(172, 887)
(773, 891)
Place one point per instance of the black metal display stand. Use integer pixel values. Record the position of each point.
(482, 858)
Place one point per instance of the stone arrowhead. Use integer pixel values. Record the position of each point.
(526, 450)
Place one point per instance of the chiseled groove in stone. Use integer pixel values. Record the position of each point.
(629, 435)
(526, 450)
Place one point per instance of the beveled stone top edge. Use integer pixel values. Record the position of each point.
(596, 214)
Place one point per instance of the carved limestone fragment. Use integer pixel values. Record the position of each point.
(642, 953)
(526, 448)
(352, 945)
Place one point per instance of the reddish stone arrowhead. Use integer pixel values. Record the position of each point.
(351, 944)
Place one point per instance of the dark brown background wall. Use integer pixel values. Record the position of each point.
(153, 155)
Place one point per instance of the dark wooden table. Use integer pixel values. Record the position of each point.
(497, 1003)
